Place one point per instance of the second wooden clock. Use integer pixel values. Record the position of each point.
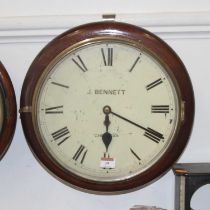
(8, 111)
(107, 107)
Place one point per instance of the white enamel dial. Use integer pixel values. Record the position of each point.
(106, 110)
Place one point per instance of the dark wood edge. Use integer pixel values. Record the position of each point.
(10, 111)
(113, 29)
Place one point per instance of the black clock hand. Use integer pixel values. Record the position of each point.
(150, 133)
(107, 137)
(107, 122)
(123, 118)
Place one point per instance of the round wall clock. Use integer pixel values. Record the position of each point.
(8, 112)
(107, 107)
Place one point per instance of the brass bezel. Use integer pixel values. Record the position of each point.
(84, 43)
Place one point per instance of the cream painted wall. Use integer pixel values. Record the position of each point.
(65, 7)
(184, 25)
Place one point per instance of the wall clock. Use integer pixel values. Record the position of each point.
(107, 107)
(8, 111)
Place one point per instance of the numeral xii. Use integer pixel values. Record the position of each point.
(107, 56)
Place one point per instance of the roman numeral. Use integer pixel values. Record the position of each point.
(160, 109)
(154, 84)
(80, 154)
(61, 135)
(60, 85)
(107, 57)
(79, 62)
(54, 110)
(135, 155)
(134, 64)
(153, 135)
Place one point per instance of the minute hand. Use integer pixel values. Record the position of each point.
(150, 133)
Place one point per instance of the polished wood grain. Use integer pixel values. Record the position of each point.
(10, 111)
(157, 48)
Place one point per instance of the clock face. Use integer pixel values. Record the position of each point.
(107, 108)
(118, 76)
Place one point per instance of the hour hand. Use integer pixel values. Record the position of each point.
(106, 137)
(107, 122)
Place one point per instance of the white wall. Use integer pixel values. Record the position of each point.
(185, 25)
(64, 7)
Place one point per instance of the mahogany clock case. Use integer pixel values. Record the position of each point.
(116, 30)
(9, 111)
